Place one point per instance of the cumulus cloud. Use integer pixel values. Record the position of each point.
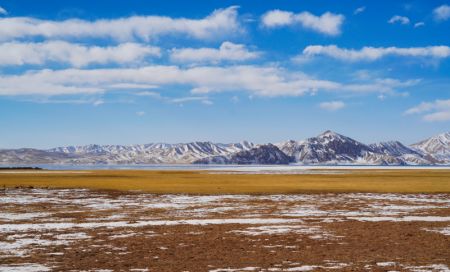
(441, 13)
(218, 24)
(3, 11)
(399, 19)
(327, 23)
(277, 18)
(140, 113)
(228, 51)
(438, 110)
(359, 10)
(77, 55)
(270, 81)
(332, 105)
(375, 53)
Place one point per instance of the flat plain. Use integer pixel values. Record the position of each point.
(360, 220)
(217, 182)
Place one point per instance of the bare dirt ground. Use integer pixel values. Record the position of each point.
(84, 230)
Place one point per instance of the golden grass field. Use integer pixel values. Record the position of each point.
(204, 182)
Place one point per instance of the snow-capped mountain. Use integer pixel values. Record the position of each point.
(437, 147)
(329, 147)
(333, 148)
(404, 154)
(326, 148)
(392, 148)
(30, 155)
(262, 154)
(150, 153)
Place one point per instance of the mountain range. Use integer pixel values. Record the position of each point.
(328, 148)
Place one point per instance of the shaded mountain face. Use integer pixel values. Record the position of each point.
(437, 147)
(263, 154)
(392, 148)
(327, 148)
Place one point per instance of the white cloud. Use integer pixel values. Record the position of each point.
(202, 99)
(201, 90)
(148, 93)
(381, 86)
(375, 53)
(140, 113)
(268, 81)
(3, 11)
(207, 102)
(332, 105)
(419, 24)
(359, 10)
(98, 102)
(77, 55)
(264, 81)
(399, 19)
(327, 23)
(132, 86)
(277, 18)
(220, 23)
(438, 110)
(228, 51)
(437, 116)
(441, 13)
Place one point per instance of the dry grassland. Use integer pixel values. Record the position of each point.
(206, 182)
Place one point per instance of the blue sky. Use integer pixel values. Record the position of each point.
(125, 72)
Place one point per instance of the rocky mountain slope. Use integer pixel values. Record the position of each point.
(327, 148)
(262, 154)
(150, 153)
(436, 147)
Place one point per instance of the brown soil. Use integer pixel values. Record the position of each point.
(343, 244)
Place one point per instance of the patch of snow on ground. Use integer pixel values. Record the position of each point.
(73, 236)
(429, 268)
(279, 229)
(304, 211)
(382, 264)
(402, 219)
(234, 269)
(21, 247)
(21, 216)
(444, 231)
(8, 228)
(26, 267)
